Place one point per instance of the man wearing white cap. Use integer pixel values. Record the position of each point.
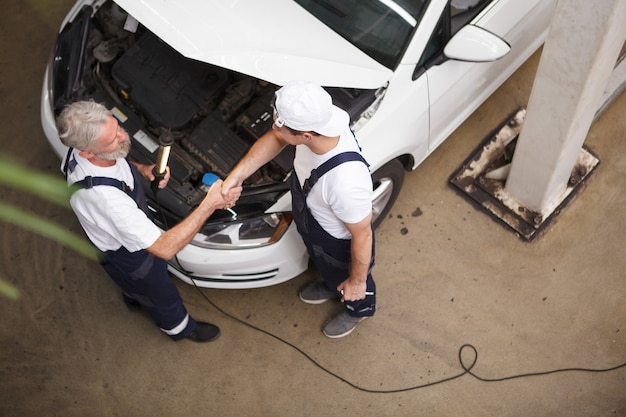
(331, 191)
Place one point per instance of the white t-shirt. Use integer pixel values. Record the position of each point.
(109, 216)
(343, 194)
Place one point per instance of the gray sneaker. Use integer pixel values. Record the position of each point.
(316, 293)
(341, 325)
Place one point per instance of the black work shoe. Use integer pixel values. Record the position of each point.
(204, 332)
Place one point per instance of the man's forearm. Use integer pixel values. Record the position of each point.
(263, 151)
(361, 249)
(176, 238)
(173, 240)
(361, 256)
(355, 286)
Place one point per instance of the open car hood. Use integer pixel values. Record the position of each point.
(274, 41)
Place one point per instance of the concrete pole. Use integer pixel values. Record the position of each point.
(578, 58)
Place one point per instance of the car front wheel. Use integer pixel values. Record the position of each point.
(387, 183)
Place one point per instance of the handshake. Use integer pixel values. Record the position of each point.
(222, 194)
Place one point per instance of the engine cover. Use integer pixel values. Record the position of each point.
(169, 88)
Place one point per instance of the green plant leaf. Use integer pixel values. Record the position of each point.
(9, 290)
(48, 229)
(40, 184)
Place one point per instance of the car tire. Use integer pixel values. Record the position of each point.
(387, 182)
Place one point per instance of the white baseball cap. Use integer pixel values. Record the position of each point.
(307, 107)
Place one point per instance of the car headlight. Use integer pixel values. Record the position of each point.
(244, 234)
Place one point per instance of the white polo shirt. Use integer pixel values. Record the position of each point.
(343, 194)
(109, 216)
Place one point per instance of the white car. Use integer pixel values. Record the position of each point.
(408, 72)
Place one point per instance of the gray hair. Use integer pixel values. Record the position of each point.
(81, 123)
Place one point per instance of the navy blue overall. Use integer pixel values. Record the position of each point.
(142, 276)
(332, 256)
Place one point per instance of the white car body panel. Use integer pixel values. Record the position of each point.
(256, 38)
(402, 119)
(244, 268)
(458, 88)
(47, 119)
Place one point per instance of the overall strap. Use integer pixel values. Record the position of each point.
(336, 160)
(66, 165)
(89, 182)
(135, 193)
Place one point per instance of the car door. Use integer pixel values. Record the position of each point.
(456, 87)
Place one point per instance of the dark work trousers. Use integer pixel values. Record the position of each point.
(331, 256)
(143, 278)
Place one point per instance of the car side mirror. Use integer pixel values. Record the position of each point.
(474, 44)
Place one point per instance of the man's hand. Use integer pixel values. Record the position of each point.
(264, 150)
(353, 289)
(174, 239)
(146, 171)
(361, 249)
(229, 184)
(217, 198)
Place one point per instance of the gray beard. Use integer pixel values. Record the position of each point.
(121, 152)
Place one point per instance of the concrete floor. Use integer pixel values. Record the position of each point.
(68, 347)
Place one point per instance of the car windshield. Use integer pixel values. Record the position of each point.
(380, 28)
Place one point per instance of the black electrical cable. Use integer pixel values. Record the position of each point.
(311, 359)
(467, 369)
